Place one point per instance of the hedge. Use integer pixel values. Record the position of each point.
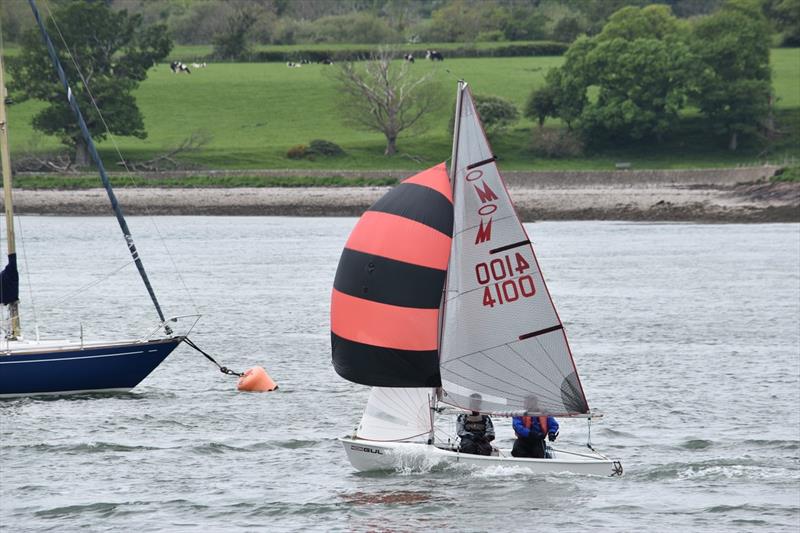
(357, 53)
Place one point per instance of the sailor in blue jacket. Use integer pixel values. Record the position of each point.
(531, 432)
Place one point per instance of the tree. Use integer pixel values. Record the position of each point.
(637, 71)
(734, 90)
(786, 16)
(114, 53)
(631, 23)
(642, 85)
(541, 104)
(233, 42)
(385, 96)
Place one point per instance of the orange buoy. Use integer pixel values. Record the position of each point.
(256, 380)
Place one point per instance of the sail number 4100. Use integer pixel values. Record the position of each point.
(500, 284)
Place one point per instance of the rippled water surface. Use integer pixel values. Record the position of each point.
(686, 336)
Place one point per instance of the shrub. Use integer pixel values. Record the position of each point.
(297, 152)
(323, 148)
(791, 173)
(556, 143)
(496, 113)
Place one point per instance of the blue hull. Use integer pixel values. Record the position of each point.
(117, 367)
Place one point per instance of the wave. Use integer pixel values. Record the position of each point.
(88, 447)
(715, 469)
(697, 444)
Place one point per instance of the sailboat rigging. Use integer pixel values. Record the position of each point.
(439, 299)
(60, 367)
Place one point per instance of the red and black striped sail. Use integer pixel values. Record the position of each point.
(388, 286)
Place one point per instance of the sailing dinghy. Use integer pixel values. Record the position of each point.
(35, 367)
(438, 296)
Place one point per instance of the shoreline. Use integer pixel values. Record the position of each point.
(754, 202)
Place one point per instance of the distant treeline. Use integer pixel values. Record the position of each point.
(234, 26)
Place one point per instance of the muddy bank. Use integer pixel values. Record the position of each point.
(691, 202)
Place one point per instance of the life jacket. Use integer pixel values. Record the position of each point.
(475, 424)
(527, 421)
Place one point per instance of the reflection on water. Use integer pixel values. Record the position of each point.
(386, 497)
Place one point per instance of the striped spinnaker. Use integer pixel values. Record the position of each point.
(388, 286)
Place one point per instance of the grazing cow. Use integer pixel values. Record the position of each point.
(292, 64)
(409, 57)
(178, 66)
(433, 55)
(199, 65)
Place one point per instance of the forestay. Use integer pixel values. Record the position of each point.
(396, 414)
(502, 337)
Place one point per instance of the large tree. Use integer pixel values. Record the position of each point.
(734, 90)
(386, 96)
(113, 52)
(628, 82)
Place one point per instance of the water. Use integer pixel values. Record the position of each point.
(687, 336)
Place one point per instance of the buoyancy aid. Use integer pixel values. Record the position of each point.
(527, 421)
(475, 424)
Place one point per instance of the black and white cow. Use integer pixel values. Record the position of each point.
(409, 57)
(178, 66)
(433, 55)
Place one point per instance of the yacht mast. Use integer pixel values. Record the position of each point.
(13, 307)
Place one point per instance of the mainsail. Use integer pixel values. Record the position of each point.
(501, 336)
(388, 286)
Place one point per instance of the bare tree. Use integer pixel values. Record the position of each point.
(386, 96)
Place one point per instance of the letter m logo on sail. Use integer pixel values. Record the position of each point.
(486, 194)
(484, 232)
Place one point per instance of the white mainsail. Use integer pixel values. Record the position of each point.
(502, 337)
(396, 413)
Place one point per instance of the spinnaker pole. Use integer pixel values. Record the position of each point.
(10, 276)
(87, 137)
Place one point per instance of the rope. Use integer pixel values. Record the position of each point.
(223, 369)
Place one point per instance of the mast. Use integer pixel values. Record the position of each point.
(462, 85)
(437, 392)
(13, 306)
(73, 103)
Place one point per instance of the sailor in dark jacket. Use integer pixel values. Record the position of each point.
(475, 430)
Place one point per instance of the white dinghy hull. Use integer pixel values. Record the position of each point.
(366, 456)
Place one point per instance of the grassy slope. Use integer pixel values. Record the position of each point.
(255, 112)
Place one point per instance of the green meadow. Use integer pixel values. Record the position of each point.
(252, 113)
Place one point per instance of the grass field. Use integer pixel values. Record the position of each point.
(254, 112)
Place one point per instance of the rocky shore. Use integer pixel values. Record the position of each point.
(691, 196)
